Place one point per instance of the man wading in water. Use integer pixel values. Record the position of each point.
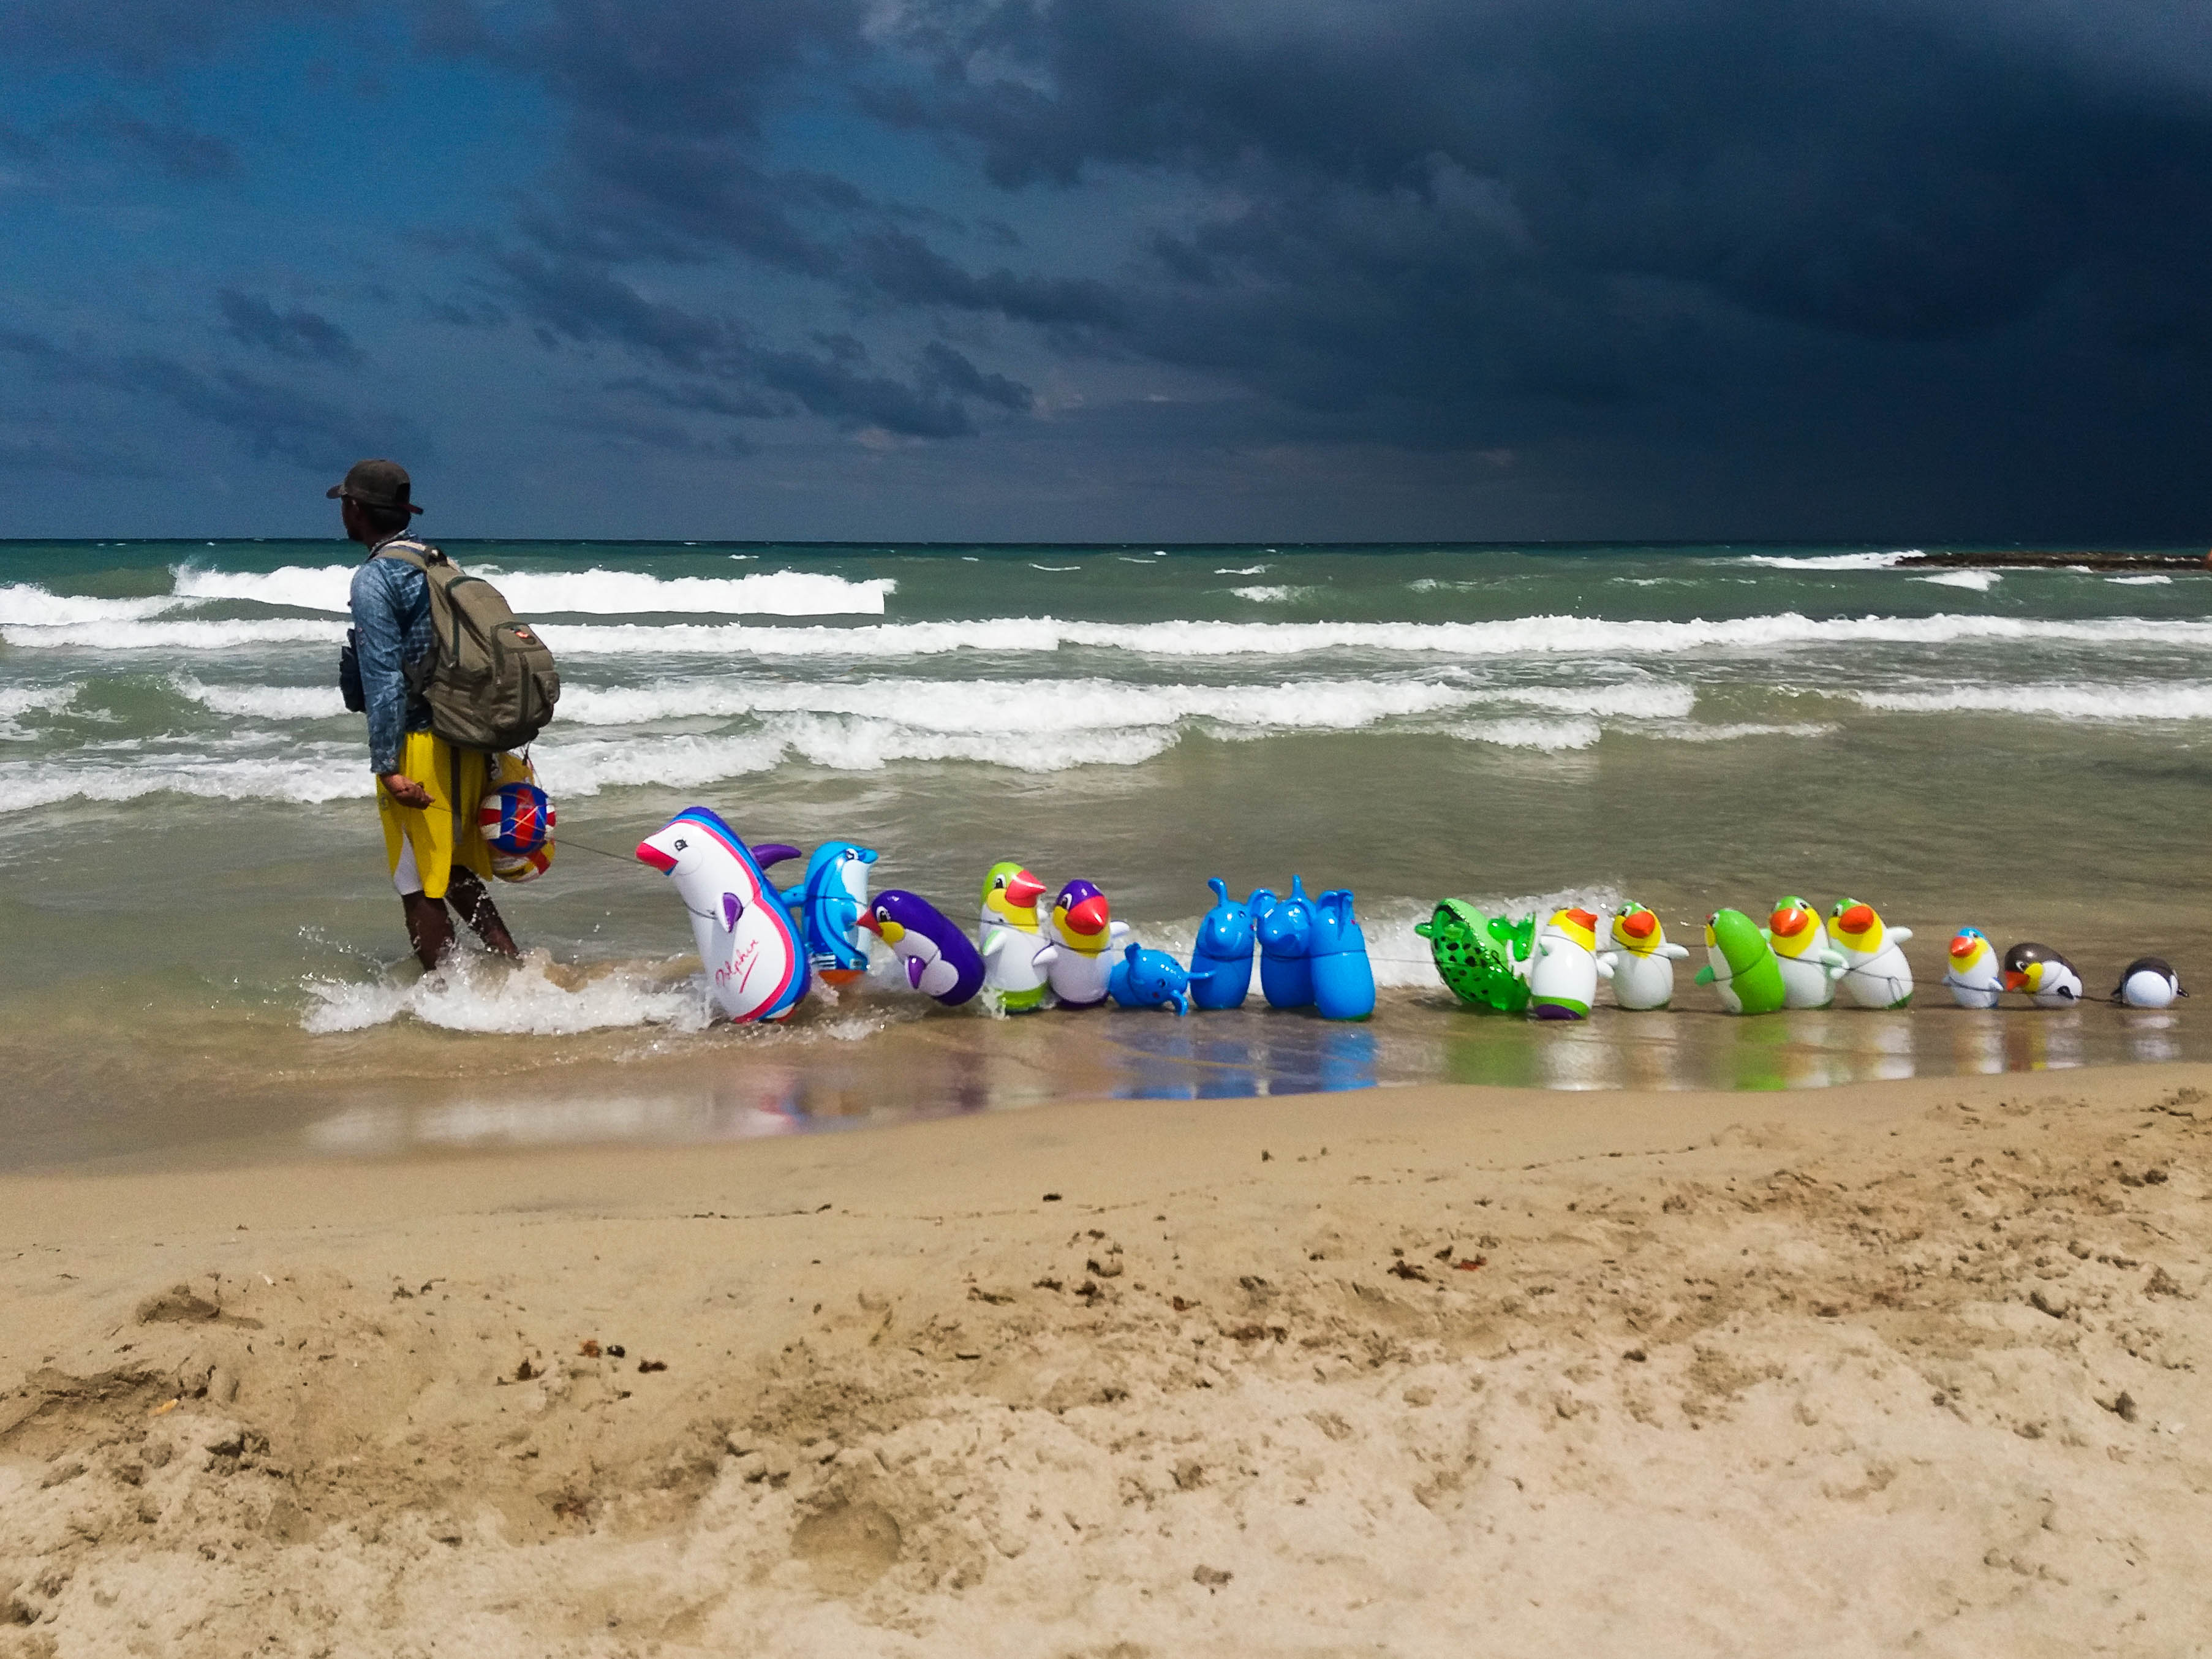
(427, 791)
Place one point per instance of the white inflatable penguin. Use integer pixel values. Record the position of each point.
(1973, 973)
(2148, 983)
(1875, 973)
(1641, 960)
(1566, 970)
(1810, 966)
(2047, 977)
(1016, 957)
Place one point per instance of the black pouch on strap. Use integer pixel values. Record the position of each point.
(349, 674)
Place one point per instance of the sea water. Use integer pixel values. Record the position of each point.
(202, 951)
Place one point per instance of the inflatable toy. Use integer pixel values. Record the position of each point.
(2148, 983)
(1221, 961)
(1973, 973)
(1875, 971)
(516, 819)
(1083, 932)
(1563, 982)
(1641, 960)
(1343, 978)
(1483, 960)
(1150, 979)
(941, 960)
(746, 941)
(2047, 977)
(827, 904)
(1810, 966)
(1284, 928)
(1015, 953)
(1741, 965)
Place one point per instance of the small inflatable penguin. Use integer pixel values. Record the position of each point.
(1973, 972)
(1810, 966)
(1563, 982)
(1877, 974)
(1084, 932)
(2148, 983)
(1641, 960)
(2047, 977)
(1016, 955)
(940, 960)
(1740, 966)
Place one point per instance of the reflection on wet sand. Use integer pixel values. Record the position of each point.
(935, 1068)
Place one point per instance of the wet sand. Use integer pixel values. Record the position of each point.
(1916, 1365)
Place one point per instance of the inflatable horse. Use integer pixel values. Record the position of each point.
(752, 954)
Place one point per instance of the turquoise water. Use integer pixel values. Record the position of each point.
(203, 947)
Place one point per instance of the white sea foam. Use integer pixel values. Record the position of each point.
(268, 702)
(1720, 732)
(1244, 570)
(1829, 560)
(2140, 581)
(318, 774)
(1550, 736)
(556, 593)
(16, 700)
(28, 605)
(1977, 581)
(1545, 635)
(471, 993)
(1272, 595)
(1630, 699)
(2144, 701)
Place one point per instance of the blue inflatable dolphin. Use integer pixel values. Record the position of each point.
(1285, 929)
(828, 904)
(1221, 961)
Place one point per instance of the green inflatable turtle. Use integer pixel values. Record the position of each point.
(1486, 960)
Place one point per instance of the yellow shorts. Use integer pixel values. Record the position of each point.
(424, 844)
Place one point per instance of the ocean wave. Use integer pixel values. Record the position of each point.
(302, 779)
(2140, 581)
(1528, 636)
(1828, 561)
(473, 993)
(1721, 733)
(2147, 701)
(268, 702)
(596, 591)
(1550, 736)
(1279, 595)
(28, 605)
(1976, 581)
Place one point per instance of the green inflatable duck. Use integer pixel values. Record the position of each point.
(1486, 960)
(1741, 965)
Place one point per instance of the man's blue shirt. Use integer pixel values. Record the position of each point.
(390, 601)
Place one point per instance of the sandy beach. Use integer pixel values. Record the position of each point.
(1901, 1367)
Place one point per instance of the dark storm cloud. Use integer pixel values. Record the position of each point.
(298, 333)
(269, 419)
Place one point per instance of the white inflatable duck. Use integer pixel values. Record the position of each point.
(1567, 970)
(1875, 973)
(1973, 974)
(1641, 958)
(1810, 966)
(1016, 954)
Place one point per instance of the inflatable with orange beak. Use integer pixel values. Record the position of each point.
(1810, 966)
(1974, 974)
(2049, 979)
(1563, 982)
(1641, 960)
(1877, 973)
(1016, 955)
(1083, 932)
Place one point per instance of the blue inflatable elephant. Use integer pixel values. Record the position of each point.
(1343, 978)
(1284, 927)
(1221, 961)
(1150, 979)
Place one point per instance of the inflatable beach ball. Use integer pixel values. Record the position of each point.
(523, 866)
(516, 819)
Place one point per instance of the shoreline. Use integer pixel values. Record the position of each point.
(1877, 1363)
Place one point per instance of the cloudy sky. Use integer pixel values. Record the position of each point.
(1160, 269)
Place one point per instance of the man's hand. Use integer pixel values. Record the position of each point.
(404, 790)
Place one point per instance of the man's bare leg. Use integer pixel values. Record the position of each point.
(466, 894)
(429, 929)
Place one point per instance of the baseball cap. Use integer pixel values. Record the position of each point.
(375, 484)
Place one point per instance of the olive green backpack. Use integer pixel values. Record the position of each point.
(488, 679)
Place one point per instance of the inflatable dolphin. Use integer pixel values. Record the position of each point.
(827, 905)
(750, 950)
(941, 960)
